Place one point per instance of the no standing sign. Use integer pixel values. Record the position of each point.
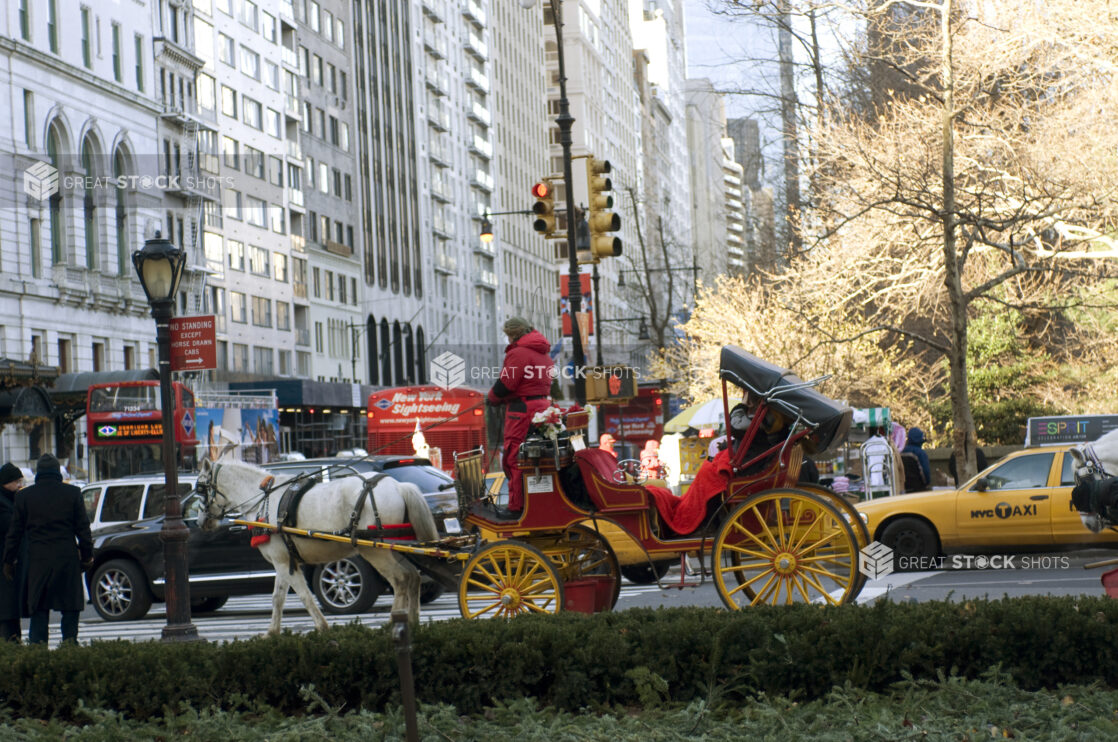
(193, 343)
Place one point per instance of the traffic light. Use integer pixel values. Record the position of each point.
(601, 219)
(544, 208)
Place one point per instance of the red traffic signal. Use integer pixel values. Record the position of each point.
(541, 190)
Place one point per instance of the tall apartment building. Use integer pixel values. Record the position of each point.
(605, 103)
(454, 73)
(529, 275)
(79, 148)
(759, 234)
(705, 124)
(733, 192)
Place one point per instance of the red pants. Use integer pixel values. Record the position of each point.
(517, 424)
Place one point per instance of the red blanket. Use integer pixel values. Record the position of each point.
(684, 514)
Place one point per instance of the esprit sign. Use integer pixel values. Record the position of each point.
(193, 343)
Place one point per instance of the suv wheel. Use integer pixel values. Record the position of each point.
(430, 590)
(347, 586)
(120, 591)
(208, 605)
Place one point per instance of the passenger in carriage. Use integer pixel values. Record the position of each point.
(523, 387)
(774, 427)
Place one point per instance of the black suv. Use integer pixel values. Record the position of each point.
(128, 572)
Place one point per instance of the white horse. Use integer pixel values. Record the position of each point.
(1099, 459)
(229, 487)
(1096, 489)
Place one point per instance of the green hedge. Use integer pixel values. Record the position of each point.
(573, 661)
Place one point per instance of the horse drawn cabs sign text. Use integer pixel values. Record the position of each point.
(193, 343)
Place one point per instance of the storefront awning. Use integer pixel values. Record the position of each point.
(14, 374)
(307, 393)
(26, 402)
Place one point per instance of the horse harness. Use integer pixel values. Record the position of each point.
(288, 506)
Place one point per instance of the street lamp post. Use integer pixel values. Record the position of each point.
(160, 266)
(565, 121)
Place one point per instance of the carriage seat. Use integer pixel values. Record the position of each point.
(597, 469)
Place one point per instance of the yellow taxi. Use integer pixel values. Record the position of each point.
(1021, 502)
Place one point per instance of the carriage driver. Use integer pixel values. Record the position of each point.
(523, 387)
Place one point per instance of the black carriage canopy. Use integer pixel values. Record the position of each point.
(828, 419)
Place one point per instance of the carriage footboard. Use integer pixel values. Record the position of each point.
(438, 568)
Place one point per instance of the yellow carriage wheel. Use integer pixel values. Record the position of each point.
(783, 547)
(508, 578)
(853, 517)
(582, 552)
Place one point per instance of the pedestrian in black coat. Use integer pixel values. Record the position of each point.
(52, 516)
(11, 590)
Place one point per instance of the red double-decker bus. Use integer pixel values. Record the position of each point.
(394, 413)
(124, 428)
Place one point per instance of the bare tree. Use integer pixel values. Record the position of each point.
(988, 186)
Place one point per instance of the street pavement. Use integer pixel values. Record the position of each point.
(961, 578)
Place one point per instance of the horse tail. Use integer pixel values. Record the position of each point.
(419, 512)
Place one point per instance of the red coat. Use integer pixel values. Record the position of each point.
(524, 388)
(527, 370)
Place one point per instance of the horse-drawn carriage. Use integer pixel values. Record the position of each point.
(762, 537)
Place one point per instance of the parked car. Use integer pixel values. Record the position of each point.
(351, 585)
(1023, 502)
(126, 517)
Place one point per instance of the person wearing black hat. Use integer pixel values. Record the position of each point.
(53, 518)
(11, 590)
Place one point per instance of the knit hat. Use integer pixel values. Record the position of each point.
(916, 436)
(48, 464)
(10, 473)
(517, 325)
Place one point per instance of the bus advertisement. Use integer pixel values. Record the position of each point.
(395, 416)
(244, 425)
(124, 428)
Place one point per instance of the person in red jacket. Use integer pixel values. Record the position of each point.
(523, 387)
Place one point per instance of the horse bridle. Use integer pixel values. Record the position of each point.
(1092, 464)
(207, 489)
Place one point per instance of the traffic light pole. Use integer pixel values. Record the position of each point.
(574, 287)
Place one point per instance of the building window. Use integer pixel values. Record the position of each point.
(277, 219)
(233, 204)
(36, 249)
(29, 119)
(139, 63)
(316, 70)
(256, 211)
(87, 39)
(25, 20)
(275, 171)
(284, 357)
(318, 345)
(99, 356)
(231, 153)
(64, 361)
(240, 357)
(118, 63)
(280, 264)
(283, 315)
(261, 311)
(262, 361)
(313, 17)
(236, 254)
(316, 283)
(254, 162)
(252, 113)
(330, 285)
(228, 101)
(249, 14)
(52, 25)
(129, 357)
(250, 63)
(268, 27)
(227, 49)
(258, 261)
(238, 307)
